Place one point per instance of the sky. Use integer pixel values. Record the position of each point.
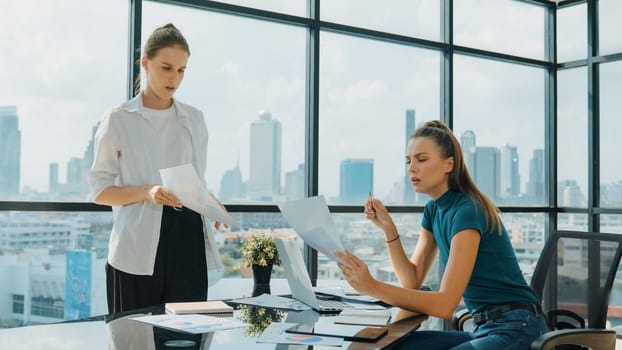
(64, 66)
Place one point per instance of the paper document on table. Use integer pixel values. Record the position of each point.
(184, 183)
(310, 218)
(191, 323)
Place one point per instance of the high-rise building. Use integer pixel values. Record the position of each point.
(569, 193)
(487, 171)
(10, 151)
(231, 185)
(356, 180)
(408, 190)
(535, 187)
(509, 175)
(265, 158)
(469, 144)
(53, 178)
(294, 187)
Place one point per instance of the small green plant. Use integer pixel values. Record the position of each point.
(259, 318)
(259, 249)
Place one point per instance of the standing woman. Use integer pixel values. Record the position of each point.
(463, 225)
(158, 251)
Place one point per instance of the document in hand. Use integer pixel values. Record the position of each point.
(184, 183)
(310, 218)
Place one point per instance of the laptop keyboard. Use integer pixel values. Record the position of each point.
(331, 304)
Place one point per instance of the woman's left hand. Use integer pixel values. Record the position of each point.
(218, 223)
(355, 271)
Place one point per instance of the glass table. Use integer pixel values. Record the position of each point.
(118, 331)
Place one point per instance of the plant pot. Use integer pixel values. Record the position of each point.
(261, 279)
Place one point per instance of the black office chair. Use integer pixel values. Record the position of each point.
(580, 291)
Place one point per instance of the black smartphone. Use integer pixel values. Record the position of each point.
(347, 332)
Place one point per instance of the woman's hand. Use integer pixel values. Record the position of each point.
(217, 224)
(376, 212)
(356, 272)
(159, 195)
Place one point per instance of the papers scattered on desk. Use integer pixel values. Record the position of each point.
(310, 218)
(364, 317)
(194, 324)
(273, 301)
(275, 333)
(184, 183)
(340, 294)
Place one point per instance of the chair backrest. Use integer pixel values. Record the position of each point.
(579, 269)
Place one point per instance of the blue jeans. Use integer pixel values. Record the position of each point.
(514, 330)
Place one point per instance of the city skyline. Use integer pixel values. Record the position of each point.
(495, 170)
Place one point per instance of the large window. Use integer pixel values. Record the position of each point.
(418, 18)
(66, 65)
(572, 138)
(609, 16)
(572, 33)
(248, 77)
(610, 126)
(372, 96)
(499, 26)
(507, 164)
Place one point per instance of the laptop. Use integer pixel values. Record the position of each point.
(299, 280)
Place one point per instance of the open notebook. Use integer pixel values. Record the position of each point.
(198, 307)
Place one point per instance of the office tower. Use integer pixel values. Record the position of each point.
(75, 176)
(10, 151)
(535, 186)
(509, 177)
(611, 195)
(231, 184)
(53, 178)
(407, 188)
(469, 144)
(356, 180)
(569, 193)
(265, 158)
(295, 183)
(487, 170)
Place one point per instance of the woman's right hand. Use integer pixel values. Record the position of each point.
(377, 213)
(159, 195)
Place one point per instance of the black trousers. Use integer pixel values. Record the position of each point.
(180, 271)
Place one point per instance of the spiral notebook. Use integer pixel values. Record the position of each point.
(199, 307)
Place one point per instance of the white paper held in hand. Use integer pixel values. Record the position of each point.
(184, 183)
(310, 218)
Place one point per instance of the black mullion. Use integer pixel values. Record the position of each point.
(312, 123)
(134, 38)
(447, 63)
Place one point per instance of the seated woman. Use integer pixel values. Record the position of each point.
(463, 225)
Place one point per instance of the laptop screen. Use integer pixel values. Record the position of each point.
(296, 272)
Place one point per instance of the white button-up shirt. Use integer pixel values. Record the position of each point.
(128, 153)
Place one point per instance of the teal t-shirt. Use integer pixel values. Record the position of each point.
(496, 277)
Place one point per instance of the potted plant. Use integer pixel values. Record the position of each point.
(259, 252)
(259, 318)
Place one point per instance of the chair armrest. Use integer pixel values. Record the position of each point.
(597, 339)
(460, 317)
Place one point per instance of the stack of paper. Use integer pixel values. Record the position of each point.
(199, 307)
(364, 317)
(191, 323)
